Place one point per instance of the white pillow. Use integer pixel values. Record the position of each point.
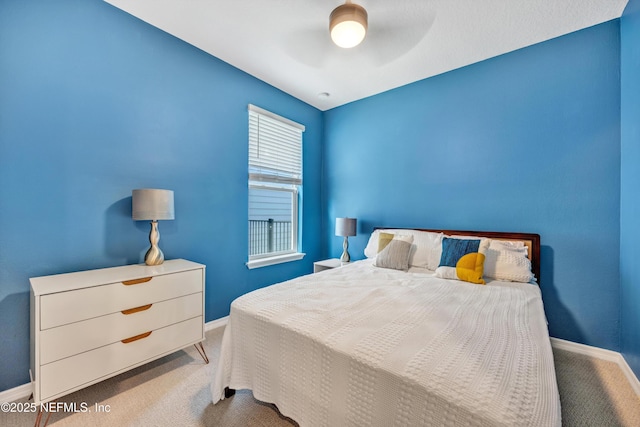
(509, 245)
(508, 261)
(371, 250)
(425, 250)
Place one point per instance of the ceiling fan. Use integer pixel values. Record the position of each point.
(379, 34)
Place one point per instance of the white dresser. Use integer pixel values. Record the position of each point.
(91, 325)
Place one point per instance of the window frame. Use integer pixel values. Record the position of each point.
(263, 182)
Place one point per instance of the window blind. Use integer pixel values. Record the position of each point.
(275, 148)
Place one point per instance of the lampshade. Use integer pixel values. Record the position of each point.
(346, 226)
(348, 25)
(151, 204)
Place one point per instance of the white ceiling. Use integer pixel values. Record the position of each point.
(286, 43)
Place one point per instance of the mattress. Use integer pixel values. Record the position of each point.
(365, 346)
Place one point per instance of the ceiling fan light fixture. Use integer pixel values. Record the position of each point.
(348, 25)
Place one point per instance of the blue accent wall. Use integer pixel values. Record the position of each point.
(95, 103)
(630, 186)
(527, 141)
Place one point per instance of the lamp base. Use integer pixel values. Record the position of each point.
(154, 255)
(345, 253)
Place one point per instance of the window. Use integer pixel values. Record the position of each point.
(275, 178)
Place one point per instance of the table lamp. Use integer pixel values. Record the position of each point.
(345, 227)
(152, 205)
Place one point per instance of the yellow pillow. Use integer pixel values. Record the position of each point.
(383, 240)
(470, 268)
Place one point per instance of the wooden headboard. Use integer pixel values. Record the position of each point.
(531, 240)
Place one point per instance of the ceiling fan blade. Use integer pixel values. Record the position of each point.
(310, 47)
(388, 42)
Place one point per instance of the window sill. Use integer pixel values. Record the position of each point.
(263, 262)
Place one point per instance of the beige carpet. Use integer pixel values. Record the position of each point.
(174, 391)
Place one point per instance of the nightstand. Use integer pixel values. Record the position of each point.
(326, 264)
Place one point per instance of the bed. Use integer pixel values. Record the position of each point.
(364, 345)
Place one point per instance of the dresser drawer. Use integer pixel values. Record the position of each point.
(67, 307)
(78, 337)
(83, 369)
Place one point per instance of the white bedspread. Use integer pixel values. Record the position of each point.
(365, 346)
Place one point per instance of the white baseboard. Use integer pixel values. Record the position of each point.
(600, 353)
(215, 324)
(16, 393)
(631, 376)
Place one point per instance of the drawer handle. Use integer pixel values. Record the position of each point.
(137, 309)
(136, 338)
(136, 281)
